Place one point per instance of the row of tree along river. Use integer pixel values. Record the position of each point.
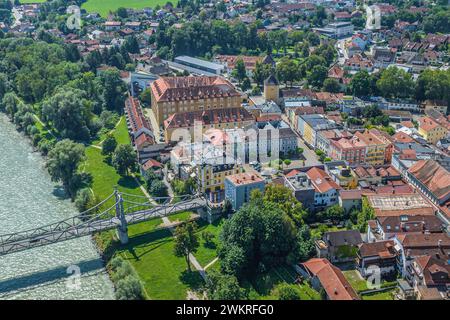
(28, 199)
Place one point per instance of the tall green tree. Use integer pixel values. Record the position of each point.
(395, 83)
(124, 159)
(63, 161)
(186, 241)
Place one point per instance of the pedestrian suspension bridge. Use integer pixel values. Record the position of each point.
(117, 211)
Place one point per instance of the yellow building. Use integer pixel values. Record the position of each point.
(431, 131)
(171, 95)
(271, 89)
(212, 177)
(376, 147)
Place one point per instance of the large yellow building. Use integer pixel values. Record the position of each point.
(171, 95)
(376, 147)
(431, 131)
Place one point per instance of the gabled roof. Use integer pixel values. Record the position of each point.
(331, 278)
(343, 237)
(321, 181)
(435, 177)
(271, 80)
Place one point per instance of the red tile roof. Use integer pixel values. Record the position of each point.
(332, 279)
(435, 177)
(190, 88)
(321, 181)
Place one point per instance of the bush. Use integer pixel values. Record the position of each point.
(127, 283)
(285, 291)
(83, 199)
(129, 288)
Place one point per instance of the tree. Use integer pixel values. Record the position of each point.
(84, 200)
(70, 113)
(186, 241)
(146, 96)
(305, 248)
(246, 84)
(113, 91)
(109, 145)
(282, 197)
(63, 161)
(285, 291)
(395, 83)
(129, 288)
(258, 236)
(262, 72)
(124, 159)
(223, 287)
(433, 85)
(157, 188)
(131, 44)
(335, 213)
(239, 71)
(208, 237)
(287, 70)
(122, 13)
(331, 85)
(361, 84)
(317, 75)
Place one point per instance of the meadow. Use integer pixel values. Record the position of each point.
(104, 7)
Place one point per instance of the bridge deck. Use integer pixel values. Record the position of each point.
(42, 237)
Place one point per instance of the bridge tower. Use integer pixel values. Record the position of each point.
(122, 229)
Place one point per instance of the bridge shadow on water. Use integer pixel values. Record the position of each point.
(44, 278)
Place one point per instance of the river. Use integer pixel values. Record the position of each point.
(29, 199)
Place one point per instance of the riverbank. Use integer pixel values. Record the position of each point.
(29, 199)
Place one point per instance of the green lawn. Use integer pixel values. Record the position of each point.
(32, 1)
(103, 7)
(360, 284)
(385, 295)
(355, 280)
(208, 252)
(260, 287)
(150, 251)
(105, 176)
(181, 216)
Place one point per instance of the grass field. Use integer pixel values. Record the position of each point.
(32, 1)
(385, 295)
(103, 7)
(260, 287)
(150, 251)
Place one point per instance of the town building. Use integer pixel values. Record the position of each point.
(339, 246)
(381, 254)
(301, 187)
(199, 66)
(238, 188)
(430, 130)
(326, 276)
(223, 119)
(376, 147)
(171, 95)
(326, 190)
(350, 149)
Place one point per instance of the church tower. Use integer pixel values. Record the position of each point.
(271, 89)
